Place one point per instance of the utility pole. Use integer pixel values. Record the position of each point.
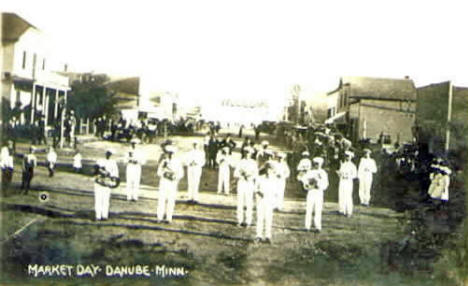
(449, 117)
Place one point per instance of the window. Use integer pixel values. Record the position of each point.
(24, 60)
(18, 96)
(43, 64)
(331, 112)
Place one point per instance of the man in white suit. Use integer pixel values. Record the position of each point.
(107, 172)
(366, 169)
(134, 160)
(315, 182)
(195, 160)
(170, 171)
(347, 173)
(246, 172)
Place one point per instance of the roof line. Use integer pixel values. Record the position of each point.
(381, 98)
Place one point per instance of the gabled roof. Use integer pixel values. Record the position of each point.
(13, 26)
(379, 88)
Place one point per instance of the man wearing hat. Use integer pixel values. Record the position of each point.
(195, 160)
(228, 142)
(170, 171)
(29, 163)
(213, 150)
(265, 195)
(264, 154)
(282, 173)
(347, 173)
(223, 160)
(366, 168)
(246, 172)
(106, 171)
(315, 182)
(134, 160)
(304, 164)
(266, 158)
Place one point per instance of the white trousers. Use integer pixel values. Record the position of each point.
(365, 185)
(101, 201)
(279, 195)
(315, 205)
(264, 218)
(345, 197)
(166, 200)
(193, 181)
(245, 192)
(223, 179)
(133, 181)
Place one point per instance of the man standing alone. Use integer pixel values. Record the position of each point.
(224, 161)
(170, 171)
(29, 163)
(367, 168)
(195, 161)
(134, 161)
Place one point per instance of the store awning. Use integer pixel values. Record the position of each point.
(338, 118)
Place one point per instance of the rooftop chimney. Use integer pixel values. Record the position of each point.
(407, 77)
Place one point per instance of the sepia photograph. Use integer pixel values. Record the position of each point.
(233, 142)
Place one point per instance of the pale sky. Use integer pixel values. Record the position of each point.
(256, 49)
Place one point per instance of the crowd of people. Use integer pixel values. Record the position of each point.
(261, 175)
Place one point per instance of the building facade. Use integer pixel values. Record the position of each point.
(29, 84)
(374, 108)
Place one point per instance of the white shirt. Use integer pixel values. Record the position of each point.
(6, 162)
(347, 171)
(171, 165)
(223, 159)
(319, 175)
(246, 170)
(282, 170)
(110, 165)
(52, 157)
(135, 159)
(367, 166)
(195, 158)
(4, 153)
(266, 187)
(77, 160)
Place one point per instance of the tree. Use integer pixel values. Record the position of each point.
(90, 98)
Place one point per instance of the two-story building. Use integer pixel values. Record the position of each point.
(375, 107)
(29, 83)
